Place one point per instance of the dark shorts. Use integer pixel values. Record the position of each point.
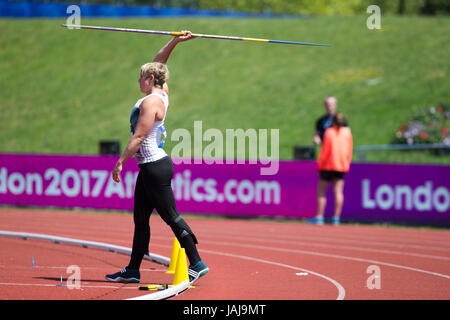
(329, 175)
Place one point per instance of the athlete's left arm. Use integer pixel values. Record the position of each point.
(147, 114)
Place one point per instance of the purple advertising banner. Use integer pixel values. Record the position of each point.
(398, 193)
(373, 192)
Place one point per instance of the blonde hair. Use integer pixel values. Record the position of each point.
(158, 70)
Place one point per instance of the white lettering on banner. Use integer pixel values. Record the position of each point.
(367, 203)
(98, 183)
(70, 183)
(114, 188)
(384, 196)
(403, 192)
(3, 180)
(86, 187)
(100, 176)
(211, 192)
(54, 176)
(421, 198)
(16, 183)
(441, 193)
(130, 181)
(36, 180)
(267, 188)
(228, 187)
(70, 174)
(197, 196)
(244, 191)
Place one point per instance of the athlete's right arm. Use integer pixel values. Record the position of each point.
(164, 54)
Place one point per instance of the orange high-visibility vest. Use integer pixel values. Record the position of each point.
(336, 151)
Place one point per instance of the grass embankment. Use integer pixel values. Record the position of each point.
(64, 90)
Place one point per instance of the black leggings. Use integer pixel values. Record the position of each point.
(153, 191)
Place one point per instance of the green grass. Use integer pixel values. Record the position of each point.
(64, 90)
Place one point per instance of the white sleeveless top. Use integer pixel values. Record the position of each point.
(152, 147)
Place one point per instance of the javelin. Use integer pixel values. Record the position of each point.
(194, 35)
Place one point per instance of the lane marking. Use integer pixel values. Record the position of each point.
(352, 239)
(341, 290)
(420, 255)
(323, 239)
(53, 285)
(329, 255)
(405, 233)
(81, 267)
(165, 294)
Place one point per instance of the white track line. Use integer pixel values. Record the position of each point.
(54, 285)
(328, 255)
(357, 230)
(164, 294)
(84, 268)
(247, 239)
(336, 239)
(411, 236)
(339, 256)
(344, 237)
(391, 233)
(398, 241)
(296, 238)
(341, 290)
(258, 238)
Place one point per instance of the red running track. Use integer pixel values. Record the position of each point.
(249, 259)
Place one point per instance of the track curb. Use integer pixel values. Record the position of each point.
(161, 295)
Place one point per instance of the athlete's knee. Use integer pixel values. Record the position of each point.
(181, 229)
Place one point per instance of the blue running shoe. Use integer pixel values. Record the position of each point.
(125, 276)
(197, 270)
(336, 221)
(316, 220)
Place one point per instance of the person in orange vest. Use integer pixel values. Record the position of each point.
(333, 163)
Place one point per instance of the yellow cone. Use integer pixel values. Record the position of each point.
(174, 256)
(181, 271)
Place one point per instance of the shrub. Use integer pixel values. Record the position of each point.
(427, 125)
